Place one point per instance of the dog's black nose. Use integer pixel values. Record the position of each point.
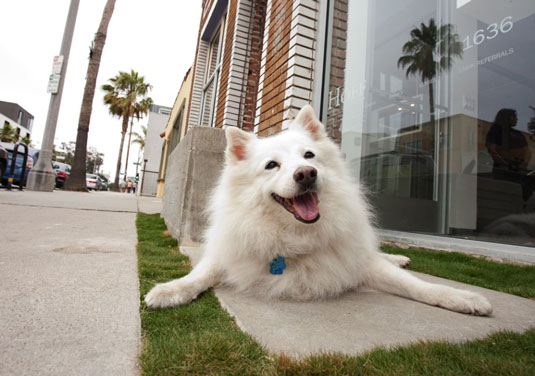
(305, 176)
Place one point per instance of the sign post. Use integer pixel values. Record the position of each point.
(42, 177)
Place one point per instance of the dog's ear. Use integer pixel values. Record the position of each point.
(236, 143)
(306, 119)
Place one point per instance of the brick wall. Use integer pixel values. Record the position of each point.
(335, 105)
(267, 64)
(275, 67)
(255, 58)
(287, 63)
(241, 67)
(301, 56)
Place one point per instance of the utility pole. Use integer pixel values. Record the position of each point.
(128, 150)
(42, 177)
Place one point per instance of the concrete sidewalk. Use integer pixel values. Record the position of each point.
(69, 282)
(359, 321)
(70, 293)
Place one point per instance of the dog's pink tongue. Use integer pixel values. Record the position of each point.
(306, 206)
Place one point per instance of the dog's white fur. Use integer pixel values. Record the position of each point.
(248, 228)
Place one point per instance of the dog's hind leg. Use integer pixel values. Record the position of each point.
(385, 276)
(399, 260)
(185, 289)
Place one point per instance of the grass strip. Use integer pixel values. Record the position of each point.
(202, 339)
(509, 278)
(500, 354)
(198, 338)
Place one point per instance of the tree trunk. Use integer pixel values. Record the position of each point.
(77, 181)
(116, 187)
(128, 147)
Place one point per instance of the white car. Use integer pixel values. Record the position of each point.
(91, 182)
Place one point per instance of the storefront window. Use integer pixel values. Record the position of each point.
(433, 103)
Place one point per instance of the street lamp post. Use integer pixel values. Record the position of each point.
(42, 177)
(143, 177)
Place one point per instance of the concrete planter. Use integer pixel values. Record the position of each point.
(193, 169)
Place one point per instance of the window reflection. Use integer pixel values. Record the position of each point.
(433, 104)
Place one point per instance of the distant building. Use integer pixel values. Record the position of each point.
(17, 117)
(176, 127)
(158, 117)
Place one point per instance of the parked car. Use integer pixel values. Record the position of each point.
(63, 170)
(3, 160)
(91, 181)
(33, 155)
(102, 184)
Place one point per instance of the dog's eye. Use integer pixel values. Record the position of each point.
(309, 155)
(271, 165)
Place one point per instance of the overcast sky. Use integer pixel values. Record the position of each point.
(155, 38)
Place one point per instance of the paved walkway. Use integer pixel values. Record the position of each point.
(358, 321)
(69, 282)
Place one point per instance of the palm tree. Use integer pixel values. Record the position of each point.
(140, 140)
(430, 51)
(26, 140)
(127, 98)
(76, 181)
(8, 133)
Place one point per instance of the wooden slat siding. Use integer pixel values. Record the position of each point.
(226, 64)
(194, 105)
(238, 65)
(198, 84)
(301, 57)
(274, 87)
(262, 75)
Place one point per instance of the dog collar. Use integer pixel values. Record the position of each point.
(277, 265)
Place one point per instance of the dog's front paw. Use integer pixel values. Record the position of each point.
(399, 260)
(467, 302)
(167, 295)
(402, 261)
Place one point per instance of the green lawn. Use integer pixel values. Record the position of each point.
(201, 338)
(509, 278)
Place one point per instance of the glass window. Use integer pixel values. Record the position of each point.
(213, 68)
(433, 104)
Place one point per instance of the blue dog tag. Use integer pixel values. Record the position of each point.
(277, 265)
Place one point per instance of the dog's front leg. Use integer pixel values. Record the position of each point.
(385, 276)
(183, 290)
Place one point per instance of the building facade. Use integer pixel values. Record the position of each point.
(176, 128)
(157, 120)
(432, 103)
(16, 117)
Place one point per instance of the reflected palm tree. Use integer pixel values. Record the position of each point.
(430, 51)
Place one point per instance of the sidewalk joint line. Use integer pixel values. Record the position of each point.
(66, 207)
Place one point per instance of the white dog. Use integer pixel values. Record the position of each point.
(287, 221)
